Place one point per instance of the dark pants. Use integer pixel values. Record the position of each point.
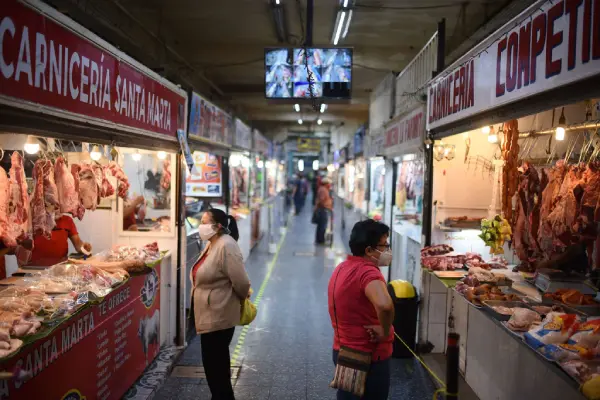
(299, 203)
(217, 364)
(322, 220)
(378, 382)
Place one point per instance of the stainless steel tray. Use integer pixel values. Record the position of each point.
(488, 304)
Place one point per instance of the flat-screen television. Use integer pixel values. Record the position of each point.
(286, 74)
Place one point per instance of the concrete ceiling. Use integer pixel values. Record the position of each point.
(217, 47)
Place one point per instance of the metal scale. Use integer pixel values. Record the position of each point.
(550, 280)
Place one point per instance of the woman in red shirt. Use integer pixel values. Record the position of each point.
(47, 252)
(360, 307)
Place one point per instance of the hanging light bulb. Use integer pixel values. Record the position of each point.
(32, 146)
(486, 130)
(300, 121)
(260, 164)
(300, 165)
(297, 107)
(161, 155)
(319, 121)
(95, 154)
(562, 123)
(492, 136)
(136, 156)
(315, 165)
(323, 108)
(465, 135)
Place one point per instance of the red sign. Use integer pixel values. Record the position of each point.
(97, 354)
(408, 130)
(43, 62)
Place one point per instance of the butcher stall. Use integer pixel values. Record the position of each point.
(88, 229)
(515, 249)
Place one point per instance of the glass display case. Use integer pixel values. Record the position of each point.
(257, 179)
(408, 191)
(239, 182)
(360, 184)
(377, 188)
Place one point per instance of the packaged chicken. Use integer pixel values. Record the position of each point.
(556, 328)
(566, 352)
(586, 333)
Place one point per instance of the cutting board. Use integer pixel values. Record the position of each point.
(450, 274)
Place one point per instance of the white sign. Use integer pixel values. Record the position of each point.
(554, 44)
(406, 134)
(374, 145)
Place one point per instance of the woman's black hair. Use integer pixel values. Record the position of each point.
(366, 234)
(226, 221)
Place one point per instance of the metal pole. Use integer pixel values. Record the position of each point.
(308, 42)
(452, 355)
(441, 49)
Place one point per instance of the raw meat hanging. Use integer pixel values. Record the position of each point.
(165, 180)
(80, 211)
(65, 183)
(5, 234)
(510, 155)
(88, 188)
(41, 218)
(18, 200)
(122, 182)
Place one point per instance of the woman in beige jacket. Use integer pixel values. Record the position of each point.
(219, 286)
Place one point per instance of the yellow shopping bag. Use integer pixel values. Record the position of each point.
(248, 312)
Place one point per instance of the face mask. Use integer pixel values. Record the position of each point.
(206, 231)
(385, 258)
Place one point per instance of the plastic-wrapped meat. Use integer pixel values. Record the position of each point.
(18, 200)
(42, 220)
(88, 187)
(122, 182)
(67, 195)
(80, 210)
(5, 234)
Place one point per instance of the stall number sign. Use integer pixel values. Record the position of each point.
(308, 144)
(555, 44)
(43, 62)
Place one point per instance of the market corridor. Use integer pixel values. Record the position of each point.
(286, 352)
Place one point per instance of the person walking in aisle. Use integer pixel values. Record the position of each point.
(299, 193)
(323, 208)
(220, 285)
(361, 309)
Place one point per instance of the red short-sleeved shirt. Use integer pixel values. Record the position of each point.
(353, 308)
(49, 252)
(198, 265)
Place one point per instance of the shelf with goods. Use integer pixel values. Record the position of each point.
(514, 176)
(106, 178)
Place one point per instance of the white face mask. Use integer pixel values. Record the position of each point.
(385, 258)
(206, 231)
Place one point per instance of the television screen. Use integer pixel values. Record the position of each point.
(287, 71)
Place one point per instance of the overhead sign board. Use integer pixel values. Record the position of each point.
(551, 44)
(243, 135)
(405, 134)
(50, 64)
(209, 122)
(304, 144)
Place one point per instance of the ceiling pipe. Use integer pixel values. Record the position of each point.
(168, 47)
(552, 131)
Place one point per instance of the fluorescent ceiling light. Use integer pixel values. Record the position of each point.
(338, 30)
(297, 107)
(315, 165)
(345, 3)
(276, 1)
(323, 107)
(347, 24)
(300, 165)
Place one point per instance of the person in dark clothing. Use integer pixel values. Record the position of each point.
(315, 188)
(299, 194)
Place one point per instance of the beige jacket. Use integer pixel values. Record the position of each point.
(221, 284)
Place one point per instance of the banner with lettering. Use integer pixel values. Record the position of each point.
(260, 144)
(243, 135)
(406, 134)
(545, 47)
(45, 60)
(210, 122)
(96, 354)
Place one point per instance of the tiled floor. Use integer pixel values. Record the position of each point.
(286, 353)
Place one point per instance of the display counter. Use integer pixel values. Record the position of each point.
(101, 348)
(496, 363)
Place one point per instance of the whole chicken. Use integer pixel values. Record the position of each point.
(522, 319)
